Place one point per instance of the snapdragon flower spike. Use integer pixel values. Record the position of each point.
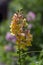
(18, 28)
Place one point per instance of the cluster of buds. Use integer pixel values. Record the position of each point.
(19, 28)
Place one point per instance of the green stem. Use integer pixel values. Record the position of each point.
(23, 57)
(19, 55)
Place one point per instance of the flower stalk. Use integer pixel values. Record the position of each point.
(19, 29)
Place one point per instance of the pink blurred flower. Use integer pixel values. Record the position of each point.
(7, 48)
(30, 16)
(9, 37)
(30, 26)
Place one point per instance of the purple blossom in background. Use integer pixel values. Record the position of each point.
(9, 37)
(7, 48)
(30, 26)
(30, 16)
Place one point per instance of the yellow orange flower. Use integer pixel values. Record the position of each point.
(18, 28)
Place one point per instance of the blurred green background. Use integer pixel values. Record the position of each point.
(7, 9)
